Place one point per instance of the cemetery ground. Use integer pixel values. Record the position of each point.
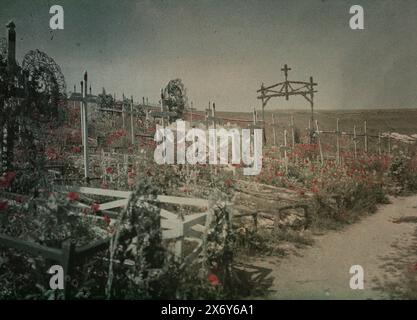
(309, 209)
(384, 244)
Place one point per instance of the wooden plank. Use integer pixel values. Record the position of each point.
(30, 247)
(190, 221)
(168, 224)
(67, 263)
(125, 194)
(170, 234)
(193, 255)
(113, 204)
(165, 214)
(95, 191)
(199, 218)
(196, 202)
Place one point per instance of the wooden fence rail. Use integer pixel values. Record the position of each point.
(191, 227)
(356, 140)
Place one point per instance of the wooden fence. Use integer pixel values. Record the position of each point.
(191, 227)
(360, 142)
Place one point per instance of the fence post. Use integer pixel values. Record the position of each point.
(85, 127)
(366, 137)
(337, 142)
(132, 128)
(319, 141)
(354, 142)
(179, 243)
(285, 151)
(191, 115)
(379, 143)
(208, 111)
(273, 130)
(292, 131)
(123, 116)
(68, 250)
(389, 144)
(214, 115)
(82, 111)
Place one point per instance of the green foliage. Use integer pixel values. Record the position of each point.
(105, 100)
(403, 170)
(175, 97)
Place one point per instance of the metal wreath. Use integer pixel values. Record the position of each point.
(3, 50)
(45, 72)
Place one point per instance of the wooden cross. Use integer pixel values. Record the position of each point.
(286, 84)
(286, 69)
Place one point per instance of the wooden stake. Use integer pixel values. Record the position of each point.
(214, 115)
(379, 143)
(366, 137)
(389, 144)
(191, 114)
(82, 112)
(162, 108)
(319, 142)
(273, 130)
(312, 104)
(354, 142)
(123, 116)
(285, 151)
(292, 132)
(85, 127)
(337, 142)
(132, 128)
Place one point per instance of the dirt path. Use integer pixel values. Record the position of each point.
(380, 246)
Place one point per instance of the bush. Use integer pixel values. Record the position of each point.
(403, 171)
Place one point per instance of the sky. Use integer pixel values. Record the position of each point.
(224, 49)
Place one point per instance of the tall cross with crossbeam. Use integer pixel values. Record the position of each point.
(286, 89)
(286, 69)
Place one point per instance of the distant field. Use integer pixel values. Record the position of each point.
(400, 120)
(403, 121)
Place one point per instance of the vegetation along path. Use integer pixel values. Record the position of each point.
(384, 244)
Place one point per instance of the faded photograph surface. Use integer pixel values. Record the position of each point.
(194, 149)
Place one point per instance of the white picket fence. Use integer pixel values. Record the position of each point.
(191, 227)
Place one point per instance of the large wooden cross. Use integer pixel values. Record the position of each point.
(286, 89)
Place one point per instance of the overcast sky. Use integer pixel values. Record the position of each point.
(223, 50)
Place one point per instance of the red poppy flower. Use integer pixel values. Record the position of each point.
(76, 149)
(109, 170)
(106, 220)
(4, 205)
(213, 279)
(7, 179)
(73, 196)
(228, 183)
(10, 175)
(95, 207)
